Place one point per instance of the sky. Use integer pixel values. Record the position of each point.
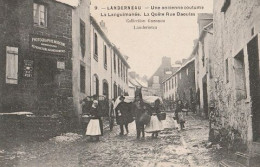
(145, 48)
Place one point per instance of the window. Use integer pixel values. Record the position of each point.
(240, 76)
(39, 15)
(95, 85)
(95, 47)
(180, 75)
(187, 71)
(114, 62)
(82, 78)
(172, 83)
(105, 56)
(227, 71)
(225, 6)
(115, 90)
(11, 65)
(105, 89)
(82, 37)
(121, 70)
(118, 61)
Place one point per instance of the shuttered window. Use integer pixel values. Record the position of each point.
(11, 65)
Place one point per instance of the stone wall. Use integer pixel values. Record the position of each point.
(232, 31)
(17, 28)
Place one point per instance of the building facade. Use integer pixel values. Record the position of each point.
(36, 52)
(181, 85)
(155, 81)
(235, 66)
(203, 53)
(109, 68)
(81, 64)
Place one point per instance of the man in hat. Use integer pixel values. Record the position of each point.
(123, 115)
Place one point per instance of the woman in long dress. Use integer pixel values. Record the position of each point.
(155, 125)
(94, 125)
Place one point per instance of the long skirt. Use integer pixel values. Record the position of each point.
(93, 128)
(154, 125)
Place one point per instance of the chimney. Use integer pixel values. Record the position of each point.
(204, 19)
(103, 26)
(166, 61)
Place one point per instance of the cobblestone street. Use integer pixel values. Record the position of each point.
(172, 148)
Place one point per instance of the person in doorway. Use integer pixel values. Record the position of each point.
(155, 125)
(123, 115)
(138, 109)
(94, 126)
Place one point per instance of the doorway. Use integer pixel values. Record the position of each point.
(205, 96)
(46, 71)
(254, 80)
(105, 89)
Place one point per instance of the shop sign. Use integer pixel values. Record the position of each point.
(28, 69)
(57, 46)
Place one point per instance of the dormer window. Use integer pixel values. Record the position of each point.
(39, 15)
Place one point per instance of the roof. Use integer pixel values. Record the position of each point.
(103, 35)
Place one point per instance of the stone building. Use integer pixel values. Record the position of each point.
(164, 71)
(181, 84)
(203, 52)
(109, 68)
(36, 52)
(45, 58)
(235, 69)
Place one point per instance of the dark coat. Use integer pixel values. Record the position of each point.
(123, 113)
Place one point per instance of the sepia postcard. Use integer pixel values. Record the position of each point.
(129, 83)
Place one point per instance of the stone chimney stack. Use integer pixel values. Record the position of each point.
(204, 19)
(166, 61)
(103, 26)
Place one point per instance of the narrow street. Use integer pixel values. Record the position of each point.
(172, 148)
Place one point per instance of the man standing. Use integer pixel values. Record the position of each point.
(123, 115)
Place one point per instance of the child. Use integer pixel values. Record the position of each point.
(182, 119)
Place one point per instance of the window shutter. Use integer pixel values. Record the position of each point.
(11, 65)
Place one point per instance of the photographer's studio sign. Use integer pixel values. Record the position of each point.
(57, 46)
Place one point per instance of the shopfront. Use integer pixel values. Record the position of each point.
(47, 71)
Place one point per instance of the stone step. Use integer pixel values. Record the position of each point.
(230, 163)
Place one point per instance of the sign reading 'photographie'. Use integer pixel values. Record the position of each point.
(48, 45)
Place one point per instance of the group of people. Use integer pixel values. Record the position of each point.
(126, 113)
